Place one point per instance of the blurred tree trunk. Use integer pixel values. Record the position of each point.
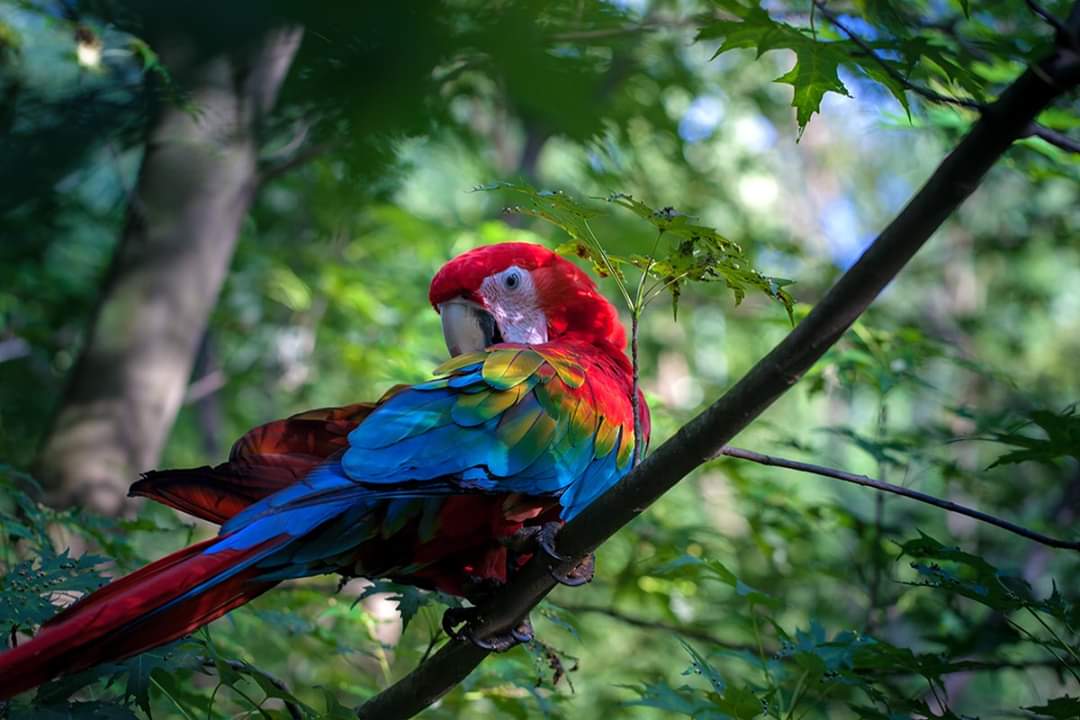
(195, 186)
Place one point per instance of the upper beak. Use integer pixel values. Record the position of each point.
(467, 327)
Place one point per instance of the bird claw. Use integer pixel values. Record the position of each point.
(545, 540)
(499, 642)
(579, 574)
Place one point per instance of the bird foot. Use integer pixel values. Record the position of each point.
(541, 538)
(471, 618)
(580, 574)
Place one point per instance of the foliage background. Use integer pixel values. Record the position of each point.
(966, 357)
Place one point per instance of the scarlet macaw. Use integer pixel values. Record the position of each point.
(449, 484)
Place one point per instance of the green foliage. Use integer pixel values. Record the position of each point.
(694, 253)
(27, 586)
(907, 49)
(1062, 430)
(408, 599)
(1060, 708)
(972, 577)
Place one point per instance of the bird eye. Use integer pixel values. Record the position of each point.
(512, 280)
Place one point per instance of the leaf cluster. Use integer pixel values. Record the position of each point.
(684, 251)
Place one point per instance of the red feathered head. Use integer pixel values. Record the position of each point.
(524, 287)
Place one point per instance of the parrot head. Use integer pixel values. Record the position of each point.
(521, 293)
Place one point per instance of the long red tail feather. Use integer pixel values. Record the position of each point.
(133, 614)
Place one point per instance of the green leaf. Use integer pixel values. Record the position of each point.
(662, 696)
(700, 666)
(163, 661)
(554, 206)
(1061, 438)
(689, 565)
(409, 600)
(814, 74)
(334, 709)
(816, 63)
(26, 590)
(973, 577)
(740, 703)
(698, 253)
(1062, 708)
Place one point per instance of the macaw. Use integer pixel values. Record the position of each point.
(450, 484)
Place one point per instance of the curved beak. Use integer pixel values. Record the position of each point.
(467, 327)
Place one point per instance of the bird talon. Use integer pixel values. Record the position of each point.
(545, 540)
(458, 616)
(499, 642)
(580, 574)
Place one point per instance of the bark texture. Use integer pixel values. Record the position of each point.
(195, 186)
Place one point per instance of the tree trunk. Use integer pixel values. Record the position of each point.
(195, 186)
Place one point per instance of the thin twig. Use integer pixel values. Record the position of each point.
(1054, 137)
(865, 481)
(893, 72)
(648, 624)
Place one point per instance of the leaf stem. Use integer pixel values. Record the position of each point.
(608, 265)
(761, 656)
(1067, 647)
(1049, 648)
(797, 695)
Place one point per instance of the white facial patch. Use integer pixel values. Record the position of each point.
(510, 296)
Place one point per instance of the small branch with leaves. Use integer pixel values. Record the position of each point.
(891, 71)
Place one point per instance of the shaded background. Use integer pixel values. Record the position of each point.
(336, 149)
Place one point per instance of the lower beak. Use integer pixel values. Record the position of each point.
(467, 327)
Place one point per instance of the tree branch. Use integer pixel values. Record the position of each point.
(865, 481)
(1055, 138)
(957, 177)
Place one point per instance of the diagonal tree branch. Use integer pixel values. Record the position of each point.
(957, 177)
(870, 482)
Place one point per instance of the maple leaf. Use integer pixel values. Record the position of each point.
(816, 61)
